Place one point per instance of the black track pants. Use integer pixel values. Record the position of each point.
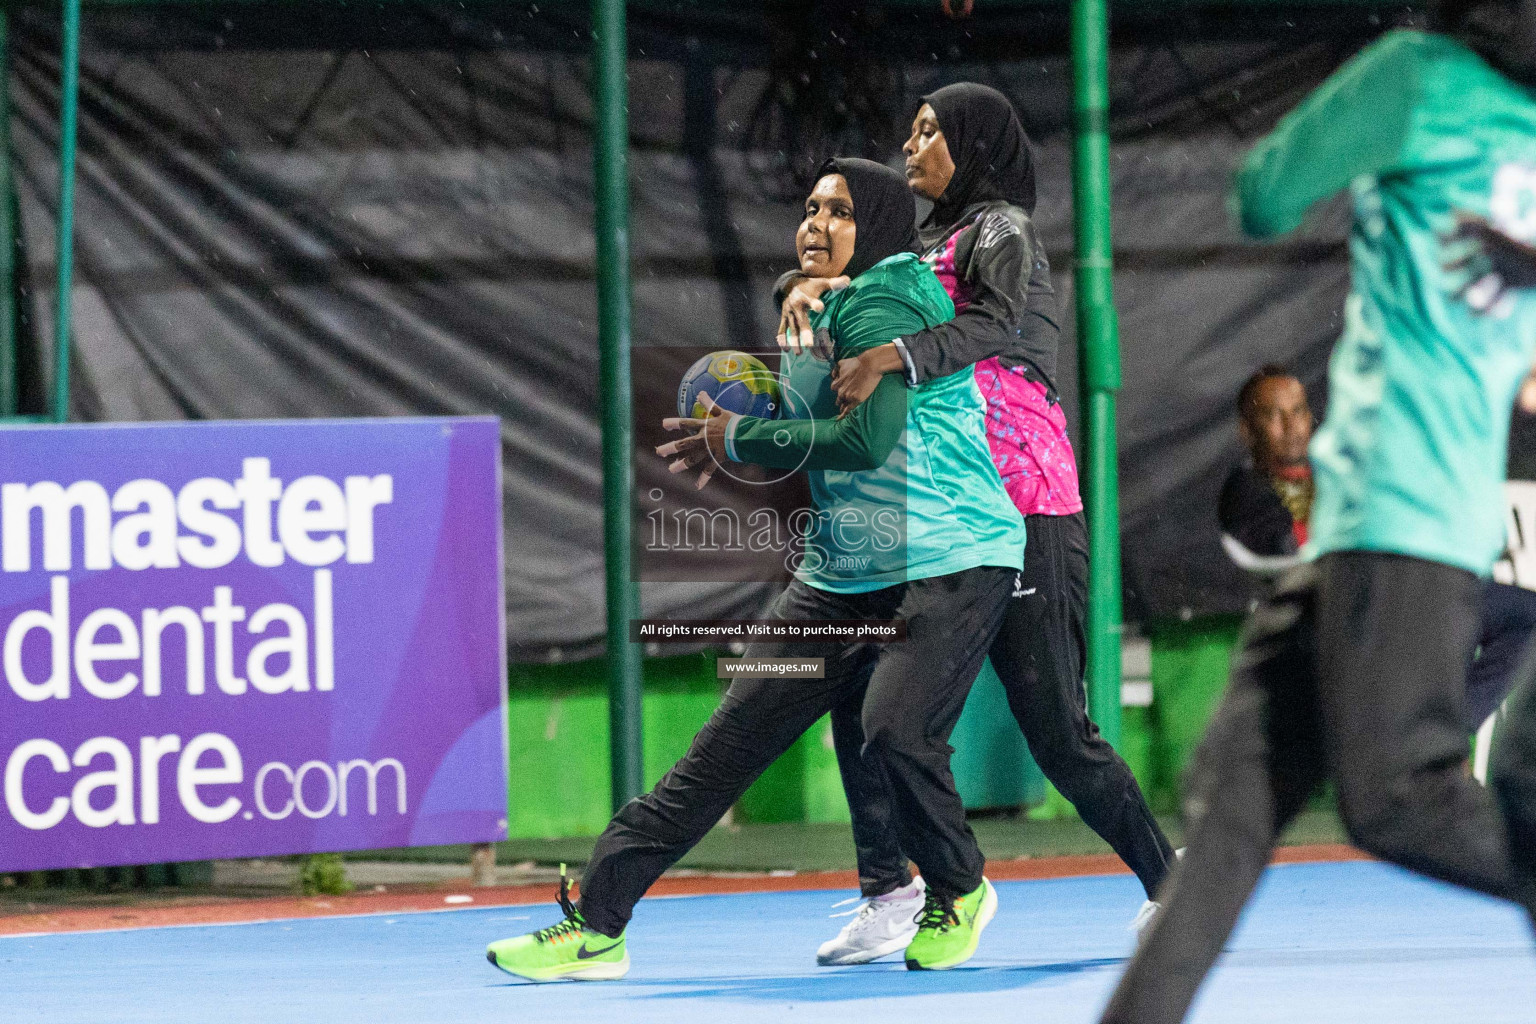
(906, 696)
(1039, 656)
(1509, 618)
(1355, 671)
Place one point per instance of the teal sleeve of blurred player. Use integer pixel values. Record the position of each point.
(1360, 121)
(1411, 456)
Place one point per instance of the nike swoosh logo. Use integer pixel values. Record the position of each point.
(587, 954)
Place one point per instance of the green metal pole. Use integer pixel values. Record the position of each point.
(1098, 353)
(68, 107)
(9, 336)
(610, 89)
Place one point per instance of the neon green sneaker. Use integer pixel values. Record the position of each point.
(949, 928)
(566, 950)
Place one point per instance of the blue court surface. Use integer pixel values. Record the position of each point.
(1351, 942)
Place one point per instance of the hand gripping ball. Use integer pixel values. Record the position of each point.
(735, 381)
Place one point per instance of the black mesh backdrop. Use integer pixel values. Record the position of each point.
(383, 210)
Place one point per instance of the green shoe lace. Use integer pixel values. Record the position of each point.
(573, 923)
(938, 912)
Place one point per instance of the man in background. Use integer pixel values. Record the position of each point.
(1267, 500)
(1266, 503)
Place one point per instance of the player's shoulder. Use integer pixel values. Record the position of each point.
(1461, 96)
(1455, 104)
(899, 283)
(1429, 57)
(898, 277)
(1404, 60)
(1000, 222)
(1410, 44)
(999, 250)
(893, 271)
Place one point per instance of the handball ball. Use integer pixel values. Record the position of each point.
(735, 381)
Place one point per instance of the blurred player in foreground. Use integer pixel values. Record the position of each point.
(1354, 671)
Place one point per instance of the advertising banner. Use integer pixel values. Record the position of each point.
(249, 638)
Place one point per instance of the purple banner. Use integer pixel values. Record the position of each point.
(248, 639)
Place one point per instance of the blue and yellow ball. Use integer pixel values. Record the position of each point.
(735, 381)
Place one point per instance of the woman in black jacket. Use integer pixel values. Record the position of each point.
(970, 156)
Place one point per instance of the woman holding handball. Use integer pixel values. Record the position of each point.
(913, 523)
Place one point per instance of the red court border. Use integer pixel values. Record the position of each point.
(193, 910)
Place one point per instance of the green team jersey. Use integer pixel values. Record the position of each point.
(904, 486)
(1411, 456)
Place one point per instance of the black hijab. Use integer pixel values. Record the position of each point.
(989, 148)
(883, 211)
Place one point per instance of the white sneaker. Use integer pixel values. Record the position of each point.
(880, 927)
(1150, 908)
(1144, 916)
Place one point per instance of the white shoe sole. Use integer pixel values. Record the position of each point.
(602, 972)
(988, 907)
(988, 911)
(864, 956)
(596, 972)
